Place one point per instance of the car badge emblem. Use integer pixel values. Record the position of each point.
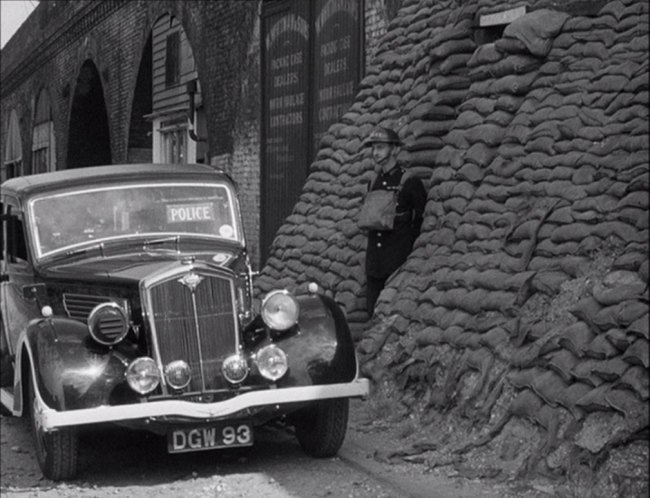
(191, 281)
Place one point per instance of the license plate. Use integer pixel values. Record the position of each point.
(208, 437)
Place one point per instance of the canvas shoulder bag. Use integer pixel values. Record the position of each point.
(378, 209)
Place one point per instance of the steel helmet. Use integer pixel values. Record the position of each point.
(383, 135)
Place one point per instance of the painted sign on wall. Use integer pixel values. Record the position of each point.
(337, 64)
(311, 69)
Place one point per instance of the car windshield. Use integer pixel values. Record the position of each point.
(69, 220)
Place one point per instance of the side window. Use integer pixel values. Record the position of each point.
(16, 245)
(2, 231)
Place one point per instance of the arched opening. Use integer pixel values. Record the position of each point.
(140, 134)
(88, 137)
(43, 145)
(12, 165)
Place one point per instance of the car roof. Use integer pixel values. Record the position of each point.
(26, 185)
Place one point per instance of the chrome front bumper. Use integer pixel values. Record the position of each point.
(51, 419)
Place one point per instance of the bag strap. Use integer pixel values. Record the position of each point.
(405, 176)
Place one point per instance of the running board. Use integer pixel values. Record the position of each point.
(7, 398)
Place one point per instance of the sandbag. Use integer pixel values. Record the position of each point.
(601, 348)
(525, 378)
(511, 46)
(583, 372)
(563, 362)
(610, 370)
(586, 309)
(625, 402)
(639, 328)
(571, 394)
(595, 399)
(549, 282)
(429, 336)
(620, 315)
(618, 286)
(637, 353)
(548, 386)
(525, 405)
(484, 54)
(635, 379)
(576, 338)
(513, 84)
(514, 64)
(618, 338)
(536, 30)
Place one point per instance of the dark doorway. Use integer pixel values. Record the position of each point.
(140, 136)
(88, 137)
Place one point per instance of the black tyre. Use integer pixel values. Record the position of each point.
(56, 451)
(321, 427)
(6, 374)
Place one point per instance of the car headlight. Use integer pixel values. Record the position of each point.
(271, 362)
(108, 323)
(143, 375)
(178, 374)
(235, 368)
(280, 310)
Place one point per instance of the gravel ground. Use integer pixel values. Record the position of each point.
(372, 463)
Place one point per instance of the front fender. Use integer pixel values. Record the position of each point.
(70, 369)
(320, 348)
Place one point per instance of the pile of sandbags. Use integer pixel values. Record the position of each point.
(535, 153)
(546, 163)
(320, 240)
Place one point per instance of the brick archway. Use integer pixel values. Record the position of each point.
(89, 138)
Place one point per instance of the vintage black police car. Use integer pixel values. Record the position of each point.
(127, 299)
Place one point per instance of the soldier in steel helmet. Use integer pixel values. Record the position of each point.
(388, 249)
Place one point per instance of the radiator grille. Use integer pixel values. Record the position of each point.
(197, 326)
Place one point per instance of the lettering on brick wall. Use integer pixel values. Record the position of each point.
(290, 22)
(336, 63)
(334, 7)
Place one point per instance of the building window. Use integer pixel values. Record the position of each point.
(12, 165)
(43, 149)
(173, 116)
(39, 160)
(491, 26)
(173, 142)
(172, 53)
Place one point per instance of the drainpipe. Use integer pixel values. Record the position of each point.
(191, 88)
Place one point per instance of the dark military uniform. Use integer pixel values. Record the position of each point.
(387, 250)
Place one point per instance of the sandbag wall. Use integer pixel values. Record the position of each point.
(545, 168)
(535, 152)
(320, 240)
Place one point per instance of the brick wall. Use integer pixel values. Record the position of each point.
(50, 48)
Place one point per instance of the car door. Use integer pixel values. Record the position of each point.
(16, 273)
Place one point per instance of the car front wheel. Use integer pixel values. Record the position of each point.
(321, 427)
(6, 377)
(56, 451)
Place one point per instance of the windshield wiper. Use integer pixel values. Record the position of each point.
(84, 250)
(163, 240)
